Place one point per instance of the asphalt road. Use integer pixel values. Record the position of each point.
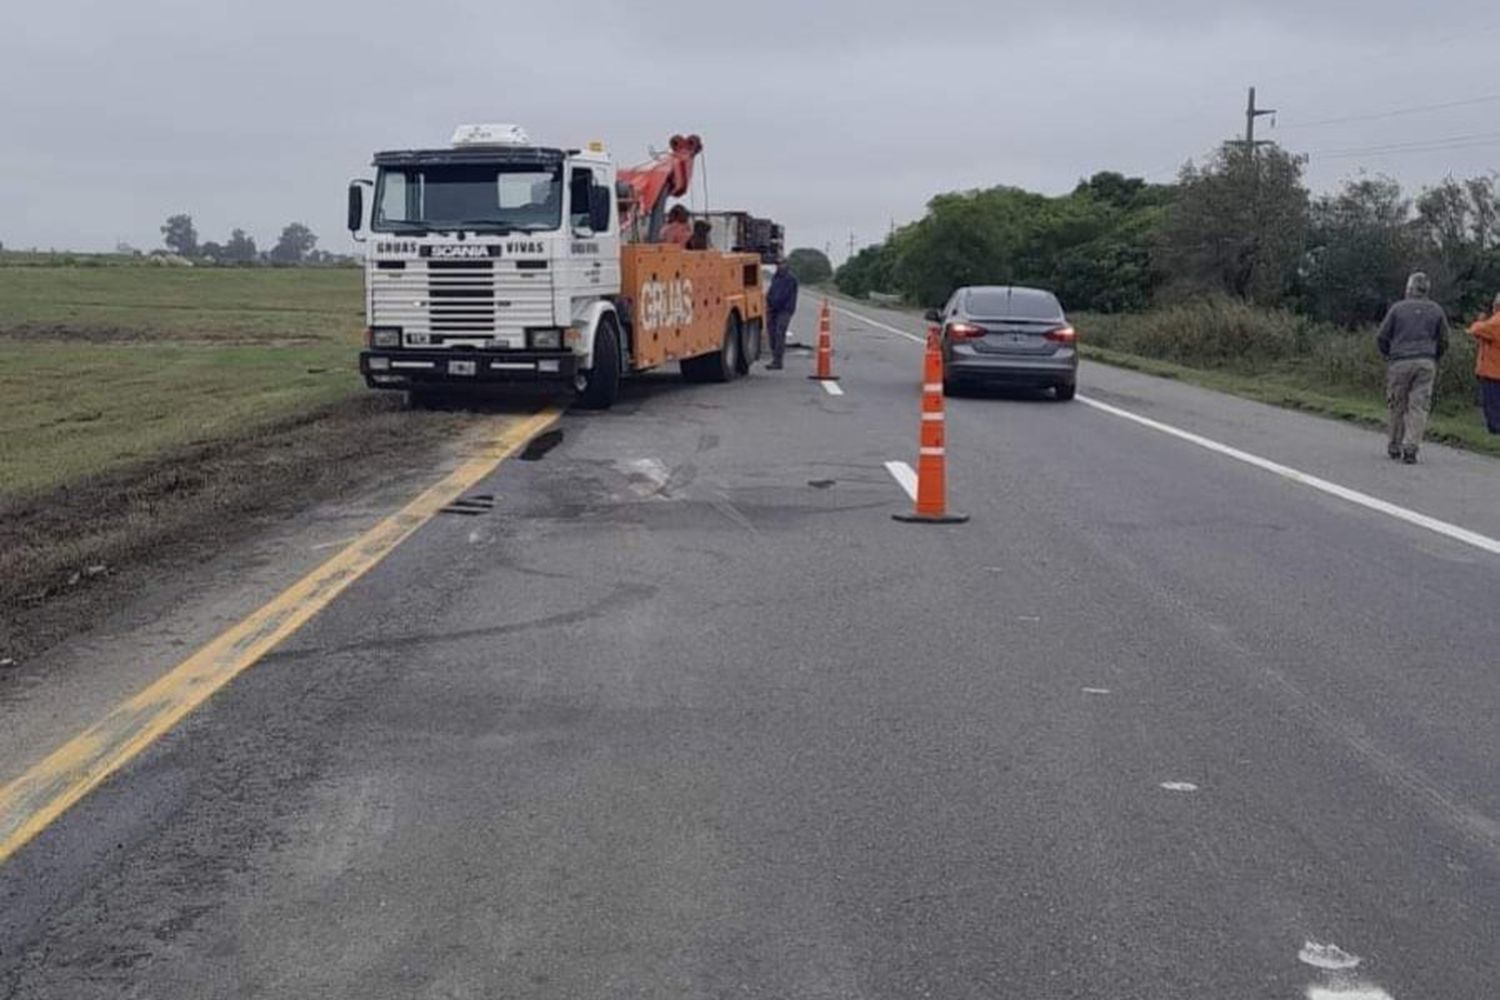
(689, 715)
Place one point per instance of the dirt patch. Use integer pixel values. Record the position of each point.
(71, 556)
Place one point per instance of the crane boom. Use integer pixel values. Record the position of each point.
(650, 185)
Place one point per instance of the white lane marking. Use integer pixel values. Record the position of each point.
(1336, 970)
(905, 475)
(832, 388)
(1096, 690)
(1179, 786)
(877, 323)
(1444, 528)
(1326, 956)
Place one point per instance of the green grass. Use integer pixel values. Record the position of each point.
(182, 303)
(102, 367)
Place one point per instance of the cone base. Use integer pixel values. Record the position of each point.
(931, 518)
(823, 378)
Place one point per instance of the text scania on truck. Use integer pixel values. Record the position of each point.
(498, 260)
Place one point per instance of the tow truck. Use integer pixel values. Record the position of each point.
(497, 260)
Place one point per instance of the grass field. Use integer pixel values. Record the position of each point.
(102, 367)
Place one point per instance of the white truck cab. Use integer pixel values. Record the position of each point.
(493, 259)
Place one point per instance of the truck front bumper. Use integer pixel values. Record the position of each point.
(402, 369)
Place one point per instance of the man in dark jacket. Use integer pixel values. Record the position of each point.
(781, 303)
(1412, 340)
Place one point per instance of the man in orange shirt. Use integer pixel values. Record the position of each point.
(1487, 333)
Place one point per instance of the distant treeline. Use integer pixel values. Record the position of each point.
(1242, 225)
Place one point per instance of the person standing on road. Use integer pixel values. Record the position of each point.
(781, 303)
(1487, 333)
(1412, 340)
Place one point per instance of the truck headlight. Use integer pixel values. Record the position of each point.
(385, 336)
(380, 364)
(545, 340)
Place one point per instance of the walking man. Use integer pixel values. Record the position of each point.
(781, 303)
(1487, 333)
(1412, 340)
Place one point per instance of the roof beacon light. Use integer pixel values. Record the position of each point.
(490, 135)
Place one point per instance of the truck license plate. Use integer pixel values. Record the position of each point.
(460, 368)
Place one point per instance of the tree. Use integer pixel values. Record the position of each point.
(810, 266)
(295, 243)
(180, 236)
(1361, 245)
(1459, 226)
(1238, 225)
(868, 271)
(212, 251)
(240, 249)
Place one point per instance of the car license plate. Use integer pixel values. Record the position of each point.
(460, 368)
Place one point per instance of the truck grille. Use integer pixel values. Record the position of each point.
(461, 296)
(461, 303)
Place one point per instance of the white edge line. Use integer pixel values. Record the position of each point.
(883, 326)
(1444, 528)
(905, 476)
(832, 388)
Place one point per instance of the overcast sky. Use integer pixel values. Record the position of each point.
(832, 117)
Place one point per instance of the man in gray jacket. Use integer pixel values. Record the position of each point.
(1413, 339)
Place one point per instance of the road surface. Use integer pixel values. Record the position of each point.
(687, 714)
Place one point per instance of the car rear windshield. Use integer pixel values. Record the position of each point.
(1012, 303)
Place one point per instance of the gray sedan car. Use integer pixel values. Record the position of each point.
(1004, 335)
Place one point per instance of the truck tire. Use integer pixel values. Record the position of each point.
(599, 387)
(750, 346)
(722, 365)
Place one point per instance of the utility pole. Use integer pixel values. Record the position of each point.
(851, 245)
(1252, 113)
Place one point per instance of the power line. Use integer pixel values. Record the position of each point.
(1416, 146)
(1395, 113)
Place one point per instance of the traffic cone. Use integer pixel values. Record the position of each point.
(932, 474)
(825, 346)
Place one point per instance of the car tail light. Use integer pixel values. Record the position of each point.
(964, 331)
(1063, 335)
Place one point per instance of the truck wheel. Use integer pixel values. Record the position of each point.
(599, 387)
(749, 346)
(722, 365)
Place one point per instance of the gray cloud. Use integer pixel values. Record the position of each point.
(834, 117)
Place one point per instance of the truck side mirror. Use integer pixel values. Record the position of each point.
(599, 206)
(933, 316)
(356, 207)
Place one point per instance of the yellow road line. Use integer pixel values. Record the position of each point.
(37, 798)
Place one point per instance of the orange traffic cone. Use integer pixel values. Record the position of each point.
(825, 346)
(932, 475)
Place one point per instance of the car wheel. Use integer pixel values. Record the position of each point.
(1066, 392)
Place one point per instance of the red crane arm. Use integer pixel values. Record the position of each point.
(651, 184)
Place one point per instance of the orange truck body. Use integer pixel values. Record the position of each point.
(682, 301)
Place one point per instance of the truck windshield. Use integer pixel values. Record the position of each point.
(468, 196)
